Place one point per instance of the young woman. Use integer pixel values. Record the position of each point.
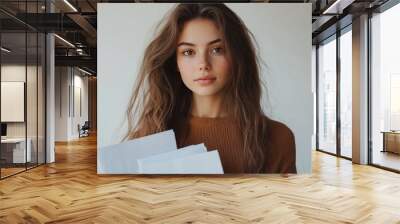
(200, 76)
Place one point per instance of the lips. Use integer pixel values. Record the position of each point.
(205, 80)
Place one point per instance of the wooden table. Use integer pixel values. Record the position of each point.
(391, 141)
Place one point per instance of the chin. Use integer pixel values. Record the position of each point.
(205, 92)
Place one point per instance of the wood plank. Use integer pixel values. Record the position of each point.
(70, 191)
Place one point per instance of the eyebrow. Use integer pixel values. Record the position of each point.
(191, 44)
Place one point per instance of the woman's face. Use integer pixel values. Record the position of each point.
(201, 57)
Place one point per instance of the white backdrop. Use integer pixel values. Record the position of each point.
(283, 32)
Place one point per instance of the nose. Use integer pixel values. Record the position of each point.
(204, 66)
(203, 63)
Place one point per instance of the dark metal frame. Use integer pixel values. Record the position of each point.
(317, 97)
(45, 90)
(26, 89)
(37, 91)
(369, 90)
(0, 92)
(338, 98)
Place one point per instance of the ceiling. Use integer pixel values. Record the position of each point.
(76, 22)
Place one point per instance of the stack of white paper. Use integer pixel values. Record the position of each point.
(157, 154)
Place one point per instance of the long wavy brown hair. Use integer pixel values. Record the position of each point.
(160, 100)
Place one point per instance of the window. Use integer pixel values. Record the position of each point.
(327, 96)
(385, 88)
(346, 93)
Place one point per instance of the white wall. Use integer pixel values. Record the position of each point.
(61, 103)
(67, 81)
(80, 83)
(285, 45)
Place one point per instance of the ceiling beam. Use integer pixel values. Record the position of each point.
(85, 61)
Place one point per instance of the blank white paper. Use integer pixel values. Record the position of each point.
(199, 163)
(122, 158)
(167, 156)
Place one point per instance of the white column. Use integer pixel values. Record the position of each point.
(314, 93)
(50, 100)
(360, 90)
(50, 92)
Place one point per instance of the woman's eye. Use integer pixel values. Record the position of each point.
(187, 52)
(217, 50)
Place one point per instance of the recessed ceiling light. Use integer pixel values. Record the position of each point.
(5, 50)
(338, 6)
(70, 5)
(64, 40)
(84, 71)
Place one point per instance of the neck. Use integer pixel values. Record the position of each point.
(207, 106)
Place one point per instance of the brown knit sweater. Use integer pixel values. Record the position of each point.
(224, 135)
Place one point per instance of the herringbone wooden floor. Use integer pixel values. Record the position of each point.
(70, 191)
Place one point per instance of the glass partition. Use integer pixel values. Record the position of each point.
(13, 108)
(22, 77)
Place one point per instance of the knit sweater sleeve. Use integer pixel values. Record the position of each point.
(281, 150)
